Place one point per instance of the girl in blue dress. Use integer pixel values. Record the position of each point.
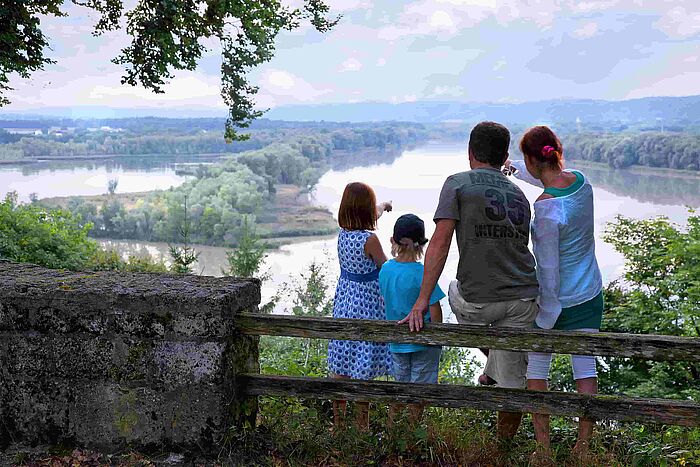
(357, 295)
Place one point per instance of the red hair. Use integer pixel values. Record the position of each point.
(541, 144)
(358, 208)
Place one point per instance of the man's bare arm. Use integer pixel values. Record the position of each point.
(435, 259)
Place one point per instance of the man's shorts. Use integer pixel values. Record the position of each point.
(417, 367)
(507, 368)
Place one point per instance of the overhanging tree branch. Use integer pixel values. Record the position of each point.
(167, 35)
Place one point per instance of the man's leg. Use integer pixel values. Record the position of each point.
(510, 368)
(477, 315)
(508, 423)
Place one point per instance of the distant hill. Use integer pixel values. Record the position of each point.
(682, 111)
(647, 113)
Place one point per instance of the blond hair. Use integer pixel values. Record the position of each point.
(407, 248)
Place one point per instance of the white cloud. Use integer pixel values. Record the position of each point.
(588, 7)
(459, 54)
(278, 79)
(349, 5)
(351, 64)
(180, 89)
(587, 30)
(105, 90)
(429, 17)
(680, 22)
(682, 84)
(337, 6)
(446, 91)
(676, 74)
(404, 98)
(441, 20)
(278, 87)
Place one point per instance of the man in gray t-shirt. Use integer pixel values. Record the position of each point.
(496, 282)
(492, 221)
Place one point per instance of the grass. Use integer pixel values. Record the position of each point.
(299, 433)
(293, 433)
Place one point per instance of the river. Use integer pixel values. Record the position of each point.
(91, 177)
(412, 181)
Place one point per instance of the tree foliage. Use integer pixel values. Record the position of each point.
(245, 260)
(167, 35)
(660, 294)
(51, 238)
(30, 233)
(22, 41)
(242, 188)
(184, 256)
(650, 149)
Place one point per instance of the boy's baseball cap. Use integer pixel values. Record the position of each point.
(410, 226)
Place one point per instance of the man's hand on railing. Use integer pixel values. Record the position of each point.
(415, 317)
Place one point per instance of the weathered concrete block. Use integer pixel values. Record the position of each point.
(108, 360)
(35, 410)
(109, 415)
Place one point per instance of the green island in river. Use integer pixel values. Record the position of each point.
(290, 215)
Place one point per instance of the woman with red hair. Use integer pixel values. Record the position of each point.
(563, 239)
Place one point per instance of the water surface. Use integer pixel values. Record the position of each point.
(412, 181)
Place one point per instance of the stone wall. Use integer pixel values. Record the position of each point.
(107, 360)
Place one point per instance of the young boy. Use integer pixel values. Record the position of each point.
(400, 281)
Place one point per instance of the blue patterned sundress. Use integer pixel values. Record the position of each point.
(358, 300)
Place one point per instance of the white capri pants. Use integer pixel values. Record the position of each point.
(539, 363)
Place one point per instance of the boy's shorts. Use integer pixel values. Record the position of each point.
(417, 367)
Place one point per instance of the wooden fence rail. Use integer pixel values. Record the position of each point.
(650, 347)
(671, 412)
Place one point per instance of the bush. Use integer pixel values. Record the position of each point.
(51, 238)
(57, 239)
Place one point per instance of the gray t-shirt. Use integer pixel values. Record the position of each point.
(493, 229)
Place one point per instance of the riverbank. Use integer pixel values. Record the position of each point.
(105, 157)
(290, 215)
(638, 169)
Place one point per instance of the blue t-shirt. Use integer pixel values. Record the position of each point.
(400, 285)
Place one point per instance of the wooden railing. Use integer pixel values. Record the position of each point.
(648, 347)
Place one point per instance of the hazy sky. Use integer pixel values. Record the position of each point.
(398, 51)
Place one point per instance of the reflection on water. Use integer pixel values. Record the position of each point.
(651, 188)
(347, 160)
(413, 181)
(125, 163)
(90, 177)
